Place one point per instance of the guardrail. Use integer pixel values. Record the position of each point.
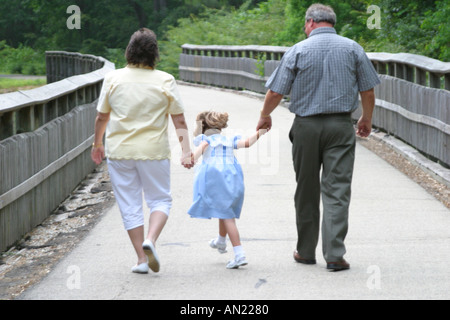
(25, 111)
(413, 101)
(62, 65)
(45, 144)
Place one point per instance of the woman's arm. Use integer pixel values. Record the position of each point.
(247, 143)
(180, 124)
(98, 150)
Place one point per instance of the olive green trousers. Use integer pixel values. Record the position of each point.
(323, 150)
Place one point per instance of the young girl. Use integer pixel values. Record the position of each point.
(219, 181)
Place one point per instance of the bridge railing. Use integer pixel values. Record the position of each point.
(73, 79)
(413, 101)
(46, 134)
(62, 65)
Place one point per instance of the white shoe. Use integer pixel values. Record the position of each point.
(141, 268)
(221, 247)
(153, 260)
(236, 263)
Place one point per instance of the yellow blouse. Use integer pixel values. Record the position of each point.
(139, 101)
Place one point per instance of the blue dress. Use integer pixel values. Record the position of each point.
(219, 181)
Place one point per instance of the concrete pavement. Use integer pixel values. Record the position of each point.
(398, 241)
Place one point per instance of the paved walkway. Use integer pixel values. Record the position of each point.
(398, 242)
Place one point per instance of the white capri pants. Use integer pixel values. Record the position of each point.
(131, 178)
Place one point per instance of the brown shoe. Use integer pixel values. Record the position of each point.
(299, 259)
(338, 266)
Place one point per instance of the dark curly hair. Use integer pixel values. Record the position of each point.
(143, 48)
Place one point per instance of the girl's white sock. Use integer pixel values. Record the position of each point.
(221, 239)
(238, 251)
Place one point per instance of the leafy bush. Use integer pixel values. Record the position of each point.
(22, 60)
(242, 26)
(116, 56)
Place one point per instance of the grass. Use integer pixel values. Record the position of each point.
(11, 85)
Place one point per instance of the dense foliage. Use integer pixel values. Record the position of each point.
(29, 27)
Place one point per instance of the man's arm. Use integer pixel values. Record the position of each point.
(271, 101)
(364, 126)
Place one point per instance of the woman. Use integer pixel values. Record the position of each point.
(133, 109)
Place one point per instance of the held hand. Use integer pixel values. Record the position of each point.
(264, 123)
(98, 154)
(187, 160)
(262, 132)
(364, 127)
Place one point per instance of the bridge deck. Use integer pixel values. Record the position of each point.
(397, 243)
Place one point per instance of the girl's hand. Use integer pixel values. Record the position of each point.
(262, 132)
(187, 160)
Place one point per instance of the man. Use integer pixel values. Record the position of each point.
(324, 74)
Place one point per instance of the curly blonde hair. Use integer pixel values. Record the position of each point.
(210, 122)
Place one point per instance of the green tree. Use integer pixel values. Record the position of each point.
(17, 23)
(437, 23)
(351, 19)
(414, 26)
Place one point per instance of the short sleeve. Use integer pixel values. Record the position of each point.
(236, 139)
(367, 76)
(199, 139)
(284, 75)
(171, 89)
(103, 105)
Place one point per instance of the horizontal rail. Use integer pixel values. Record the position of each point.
(62, 65)
(411, 67)
(25, 111)
(249, 51)
(29, 184)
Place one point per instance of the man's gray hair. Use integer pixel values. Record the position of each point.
(321, 13)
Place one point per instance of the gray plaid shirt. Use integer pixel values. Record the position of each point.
(325, 73)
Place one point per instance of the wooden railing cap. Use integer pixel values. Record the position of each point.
(413, 60)
(19, 99)
(275, 49)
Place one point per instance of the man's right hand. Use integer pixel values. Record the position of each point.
(364, 127)
(264, 123)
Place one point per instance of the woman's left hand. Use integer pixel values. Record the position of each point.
(188, 160)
